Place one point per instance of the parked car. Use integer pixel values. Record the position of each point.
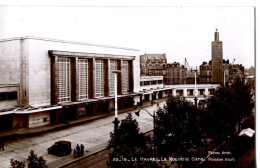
(60, 148)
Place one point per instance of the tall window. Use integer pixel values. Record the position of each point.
(99, 78)
(125, 79)
(64, 80)
(83, 79)
(113, 66)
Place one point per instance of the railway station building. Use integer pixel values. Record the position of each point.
(46, 81)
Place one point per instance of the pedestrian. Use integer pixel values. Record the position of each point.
(82, 149)
(75, 152)
(2, 144)
(78, 150)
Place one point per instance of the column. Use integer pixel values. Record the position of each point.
(164, 93)
(74, 80)
(119, 77)
(174, 92)
(106, 77)
(184, 92)
(131, 75)
(206, 91)
(150, 96)
(195, 92)
(54, 80)
(91, 78)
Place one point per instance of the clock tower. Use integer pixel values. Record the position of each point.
(217, 60)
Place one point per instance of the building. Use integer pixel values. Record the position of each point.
(218, 70)
(238, 71)
(46, 81)
(230, 72)
(152, 88)
(176, 74)
(206, 72)
(153, 65)
(217, 57)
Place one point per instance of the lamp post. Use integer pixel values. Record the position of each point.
(195, 90)
(138, 113)
(225, 68)
(116, 112)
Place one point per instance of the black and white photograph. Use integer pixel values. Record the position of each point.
(114, 86)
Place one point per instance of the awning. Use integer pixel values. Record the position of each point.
(35, 110)
(6, 112)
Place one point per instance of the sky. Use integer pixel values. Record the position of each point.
(179, 32)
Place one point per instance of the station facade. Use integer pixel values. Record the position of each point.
(47, 81)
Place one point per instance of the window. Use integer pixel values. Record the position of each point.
(153, 82)
(64, 80)
(159, 81)
(8, 96)
(146, 83)
(125, 82)
(113, 66)
(83, 79)
(99, 78)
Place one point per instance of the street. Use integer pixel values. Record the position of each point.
(89, 134)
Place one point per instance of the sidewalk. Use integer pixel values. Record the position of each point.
(70, 159)
(69, 123)
(92, 132)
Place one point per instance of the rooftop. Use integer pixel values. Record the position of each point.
(154, 56)
(64, 41)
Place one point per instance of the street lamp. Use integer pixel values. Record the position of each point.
(138, 113)
(225, 68)
(195, 90)
(116, 112)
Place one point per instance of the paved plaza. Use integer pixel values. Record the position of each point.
(89, 134)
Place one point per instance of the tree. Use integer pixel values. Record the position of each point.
(219, 115)
(228, 108)
(35, 162)
(17, 164)
(176, 129)
(128, 144)
(242, 102)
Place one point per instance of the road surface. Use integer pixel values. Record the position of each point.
(89, 134)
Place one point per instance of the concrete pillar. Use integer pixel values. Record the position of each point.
(184, 92)
(54, 80)
(174, 92)
(119, 77)
(106, 77)
(91, 78)
(108, 71)
(74, 81)
(164, 93)
(196, 92)
(156, 95)
(151, 96)
(131, 75)
(206, 91)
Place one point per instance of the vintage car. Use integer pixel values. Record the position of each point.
(60, 148)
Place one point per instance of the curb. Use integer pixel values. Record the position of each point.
(66, 125)
(90, 154)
